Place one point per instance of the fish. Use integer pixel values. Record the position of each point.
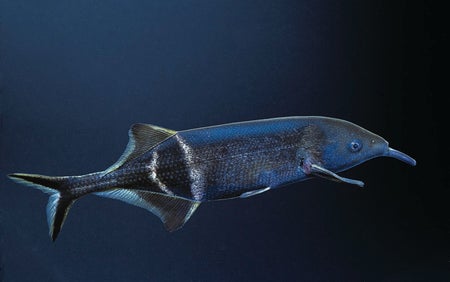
(170, 173)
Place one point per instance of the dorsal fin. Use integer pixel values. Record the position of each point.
(142, 137)
(174, 212)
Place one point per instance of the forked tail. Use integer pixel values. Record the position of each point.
(60, 199)
(173, 211)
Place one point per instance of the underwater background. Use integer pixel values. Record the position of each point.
(74, 75)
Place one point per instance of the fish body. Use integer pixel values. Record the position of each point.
(170, 173)
(221, 162)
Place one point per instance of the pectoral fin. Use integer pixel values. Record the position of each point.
(325, 173)
(174, 212)
(254, 192)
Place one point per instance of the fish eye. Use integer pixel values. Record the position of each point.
(355, 146)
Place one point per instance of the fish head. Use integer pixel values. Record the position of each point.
(347, 145)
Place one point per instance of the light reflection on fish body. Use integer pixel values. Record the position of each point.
(170, 173)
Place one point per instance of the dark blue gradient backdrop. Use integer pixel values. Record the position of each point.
(74, 75)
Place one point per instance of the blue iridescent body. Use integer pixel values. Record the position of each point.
(170, 173)
(222, 162)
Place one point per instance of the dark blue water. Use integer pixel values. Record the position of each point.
(74, 75)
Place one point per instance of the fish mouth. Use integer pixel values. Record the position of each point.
(400, 156)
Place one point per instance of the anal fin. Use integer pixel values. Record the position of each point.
(174, 212)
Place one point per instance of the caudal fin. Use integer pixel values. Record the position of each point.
(60, 199)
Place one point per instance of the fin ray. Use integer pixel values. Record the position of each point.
(60, 199)
(57, 210)
(142, 137)
(174, 212)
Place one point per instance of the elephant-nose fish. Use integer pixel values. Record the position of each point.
(170, 173)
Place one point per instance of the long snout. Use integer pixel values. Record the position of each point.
(400, 156)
